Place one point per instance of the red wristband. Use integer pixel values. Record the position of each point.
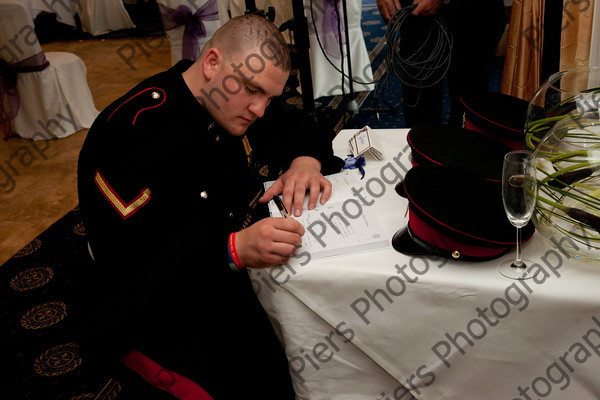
(233, 251)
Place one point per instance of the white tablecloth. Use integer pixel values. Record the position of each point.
(444, 329)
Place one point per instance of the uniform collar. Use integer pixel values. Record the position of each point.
(205, 120)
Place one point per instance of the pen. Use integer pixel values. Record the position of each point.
(280, 206)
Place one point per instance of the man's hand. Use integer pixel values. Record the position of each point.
(268, 242)
(426, 8)
(387, 8)
(304, 173)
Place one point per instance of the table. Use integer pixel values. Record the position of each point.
(441, 329)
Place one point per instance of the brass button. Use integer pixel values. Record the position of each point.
(203, 194)
(217, 138)
(231, 215)
(155, 95)
(456, 254)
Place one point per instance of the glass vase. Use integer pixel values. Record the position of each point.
(571, 92)
(567, 162)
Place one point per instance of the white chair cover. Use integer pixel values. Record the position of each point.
(176, 35)
(65, 10)
(18, 40)
(54, 102)
(102, 16)
(326, 80)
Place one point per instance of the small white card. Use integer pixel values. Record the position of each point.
(362, 142)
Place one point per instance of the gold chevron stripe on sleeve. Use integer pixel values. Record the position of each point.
(124, 209)
(247, 149)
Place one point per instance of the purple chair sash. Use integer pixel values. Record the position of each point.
(8, 90)
(13, 105)
(194, 27)
(330, 25)
(35, 63)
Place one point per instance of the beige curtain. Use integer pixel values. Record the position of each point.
(577, 21)
(523, 60)
(522, 64)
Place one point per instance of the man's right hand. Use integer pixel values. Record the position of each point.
(387, 8)
(268, 242)
(426, 8)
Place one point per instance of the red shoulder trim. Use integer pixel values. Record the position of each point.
(164, 98)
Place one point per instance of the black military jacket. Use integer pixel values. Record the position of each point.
(161, 186)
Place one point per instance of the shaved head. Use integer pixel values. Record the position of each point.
(247, 34)
(240, 70)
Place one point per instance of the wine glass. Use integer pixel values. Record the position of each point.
(518, 195)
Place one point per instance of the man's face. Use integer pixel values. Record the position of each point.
(246, 88)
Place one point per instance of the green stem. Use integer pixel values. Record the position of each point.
(569, 169)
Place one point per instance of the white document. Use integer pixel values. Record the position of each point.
(343, 225)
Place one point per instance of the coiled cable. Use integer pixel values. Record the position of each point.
(422, 68)
(425, 62)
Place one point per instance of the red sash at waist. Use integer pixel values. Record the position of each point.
(162, 378)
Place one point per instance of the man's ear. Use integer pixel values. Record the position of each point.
(211, 63)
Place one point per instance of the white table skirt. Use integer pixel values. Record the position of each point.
(538, 342)
(97, 16)
(100, 17)
(65, 10)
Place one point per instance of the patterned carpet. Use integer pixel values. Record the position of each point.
(38, 343)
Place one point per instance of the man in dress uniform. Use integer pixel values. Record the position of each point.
(170, 190)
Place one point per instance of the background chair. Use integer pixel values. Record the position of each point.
(100, 17)
(189, 25)
(327, 81)
(55, 100)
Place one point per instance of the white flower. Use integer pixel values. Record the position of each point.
(543, 168)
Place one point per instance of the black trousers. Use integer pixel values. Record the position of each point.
(476, 26)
